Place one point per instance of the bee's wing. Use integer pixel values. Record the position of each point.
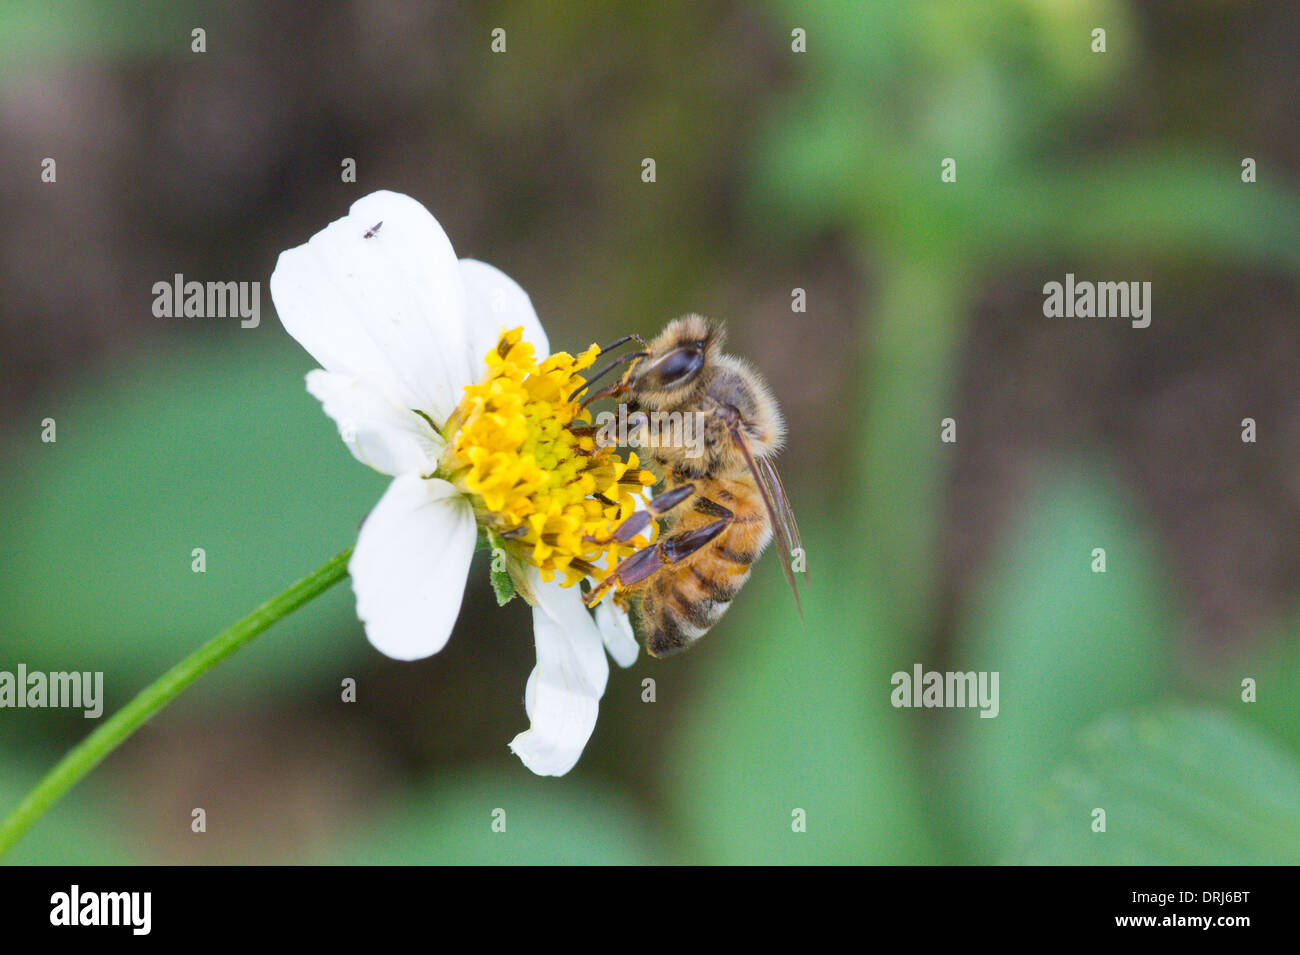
(776, 491)
(778, 510)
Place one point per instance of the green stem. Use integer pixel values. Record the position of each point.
(87, 754)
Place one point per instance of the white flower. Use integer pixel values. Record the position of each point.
(401, 329)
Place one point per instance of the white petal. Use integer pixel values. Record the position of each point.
(378, 433)
(410, 565)
(494, 302)
(530, 693)
(564, 606)
(388, 310)
(616, 630)
(564, 690)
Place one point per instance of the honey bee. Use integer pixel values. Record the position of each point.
(722, 500)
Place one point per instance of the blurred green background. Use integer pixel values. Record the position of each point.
(776, 171)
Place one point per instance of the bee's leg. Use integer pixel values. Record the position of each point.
(680, 546)
(655, 507)
(669, 550)
(630, 570)
(712, 508)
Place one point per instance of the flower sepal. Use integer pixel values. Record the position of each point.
(503, 584)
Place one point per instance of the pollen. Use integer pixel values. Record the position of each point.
(521, 447)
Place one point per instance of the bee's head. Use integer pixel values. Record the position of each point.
(674, 370)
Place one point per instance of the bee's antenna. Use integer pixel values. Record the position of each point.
(630, 356)
(605, 392)
(624, 340)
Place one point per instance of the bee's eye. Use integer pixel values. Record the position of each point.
(678, 366)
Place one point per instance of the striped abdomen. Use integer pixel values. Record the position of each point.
(681, 602)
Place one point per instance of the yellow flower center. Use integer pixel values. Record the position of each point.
(527, 457)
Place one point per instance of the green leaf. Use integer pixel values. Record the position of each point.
(185, 448)
(1274, 665)
(547, 822)
(69, 31)
(786, 721)
(1068, 644)
(1179, 787)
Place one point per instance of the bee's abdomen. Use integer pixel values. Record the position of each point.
(681, 603)
(682, 606)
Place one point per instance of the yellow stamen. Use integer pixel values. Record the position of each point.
(530, 477)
